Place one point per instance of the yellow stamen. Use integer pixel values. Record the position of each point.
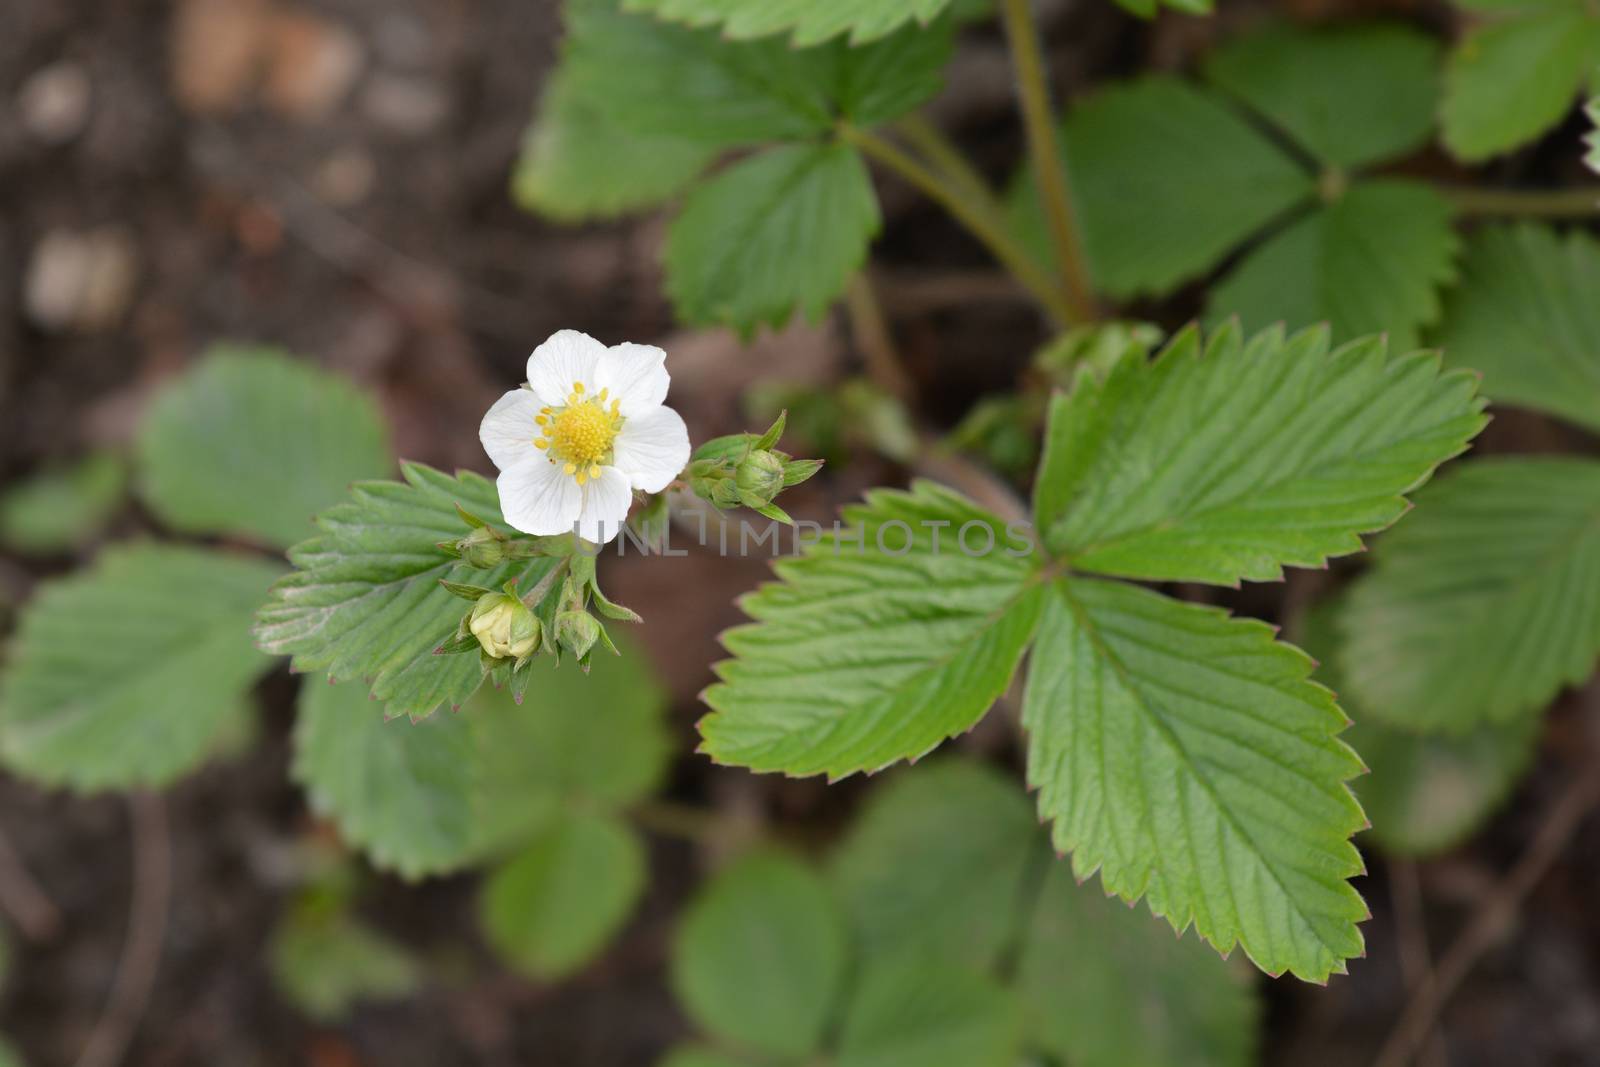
(570, 468)
(594, 471)
(577, 387)
(582, 477)
(541, 443)
(540, 419)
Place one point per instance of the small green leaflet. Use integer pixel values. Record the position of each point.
(809, 21)
(1511, 79)
(1167, 470)
(1426, 792)
(667, 80)
(433, 796)
(934, 864)
(327, 964)
(1482, 607)
(1186, 756)
(1527, 315)
(904, 1013)
(1105, 987)
(1372, 261)
(875, 648)
(577, 165)
(62, 507)
(760, 956)
(782, 230)
(92, 702)
(254, 443)
(551, 908)
(1169, 179)
(365, 599)
(1351, 95)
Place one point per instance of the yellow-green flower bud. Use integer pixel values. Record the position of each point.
(577, 631)
(504, 626)
(759, 477)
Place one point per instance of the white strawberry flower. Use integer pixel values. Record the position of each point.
(586, 431)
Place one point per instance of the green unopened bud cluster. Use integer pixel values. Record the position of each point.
(746, 469)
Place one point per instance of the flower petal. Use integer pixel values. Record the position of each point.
(652, 448)
(636, 375)
(508, 430)
(538, 497)
(568, 357)
(606, 500)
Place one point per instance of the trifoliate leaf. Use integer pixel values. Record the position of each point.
(64, 507)
(433, 796)
(665, 79)
(365, 600)
(402, 792)
(1481, 607)
(1244, 458)
(1371, 262)
(905, 1013)
(809, 22)
(577, 164)
(1168, 181)
(1509, 81)
(327, 964)
(779, 232)
(1350, 95)
(1426, 792)
(1186, 756)
(935, 863)
(760, 956)
(861, 657)
(254, 443)
(1106, 987)
(125, 675)
(551, 908)
(1527, 315)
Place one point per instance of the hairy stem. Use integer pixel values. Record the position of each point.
(1049, 162)
(1582, 202)
(975, 217)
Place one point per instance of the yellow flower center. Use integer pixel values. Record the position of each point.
(579, 434)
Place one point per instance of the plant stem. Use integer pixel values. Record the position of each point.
(535, 596)
(939, 150)
(1049, 162)
(1527, 203)
(975, 217)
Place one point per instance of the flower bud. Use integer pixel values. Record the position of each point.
(504, 626)
(759, 478)
(484, 548)
(577, 631)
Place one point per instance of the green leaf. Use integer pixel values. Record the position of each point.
(402, 792)
(670, 80)
(253, 443)
(578, 164)
(1526, 316)
(326, 965)
(908, 1014)
(1168, 181)
(433, 796)
(1238, 460)
(935, 864)
(1147, 9)
(760, 957)
(1351, 95)
(696, 1056)
(1185, 756)
(366, 602)
(780, 231)
(62, 507)
(1510, 81)
(1426, 792)
(810, 22)
(127, 674)
(1373, 261)
(862, 657)
(552, 908)
(1105, 987)
(1486, 603)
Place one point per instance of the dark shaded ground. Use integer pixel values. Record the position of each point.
(363, 220)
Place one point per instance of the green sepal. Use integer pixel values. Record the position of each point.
(463, 590)
(775, 431)
(470, 519)
(796, 471)
(458, 644)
